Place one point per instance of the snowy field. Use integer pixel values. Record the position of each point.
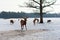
(52, 34)
(53, 25)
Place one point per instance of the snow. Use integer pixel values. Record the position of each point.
(53, 26)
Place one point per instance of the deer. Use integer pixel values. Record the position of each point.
(48, 20)
(23, 23)
(34, 21)
(11, 22)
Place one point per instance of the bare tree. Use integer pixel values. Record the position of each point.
(40, 4)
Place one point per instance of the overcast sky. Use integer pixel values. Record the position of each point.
(12, 5)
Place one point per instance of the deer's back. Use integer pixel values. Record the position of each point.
(23, 22)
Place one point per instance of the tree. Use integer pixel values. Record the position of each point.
(40, 4)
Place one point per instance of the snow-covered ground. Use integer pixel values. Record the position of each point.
(53, 26)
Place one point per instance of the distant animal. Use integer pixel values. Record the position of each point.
(23, 23)
(34, 21)
(11, 21)
(48, 20)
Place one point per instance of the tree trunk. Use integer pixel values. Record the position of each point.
(41, 13)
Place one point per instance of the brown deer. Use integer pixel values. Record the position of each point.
(34, 21)
(11, 22)
(23, 23)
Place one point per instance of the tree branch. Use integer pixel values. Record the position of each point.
(49, 4)
(30, 6)
(36, 2)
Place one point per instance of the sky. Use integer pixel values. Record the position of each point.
(13, 5)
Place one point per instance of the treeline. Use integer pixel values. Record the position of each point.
(4, 14)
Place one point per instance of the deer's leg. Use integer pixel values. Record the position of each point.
(21, 28)
(25, 27)
(38, 21)
(10, 23)
(34, 22)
